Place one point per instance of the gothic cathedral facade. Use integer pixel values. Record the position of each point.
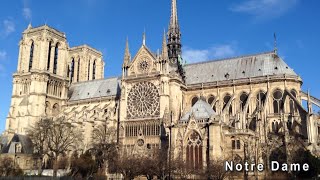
(203, 110)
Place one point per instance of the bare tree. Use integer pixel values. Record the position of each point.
(105, 147)
(54, 138)
(129, 166)
(215, 170)
(39, 133)
(9, 168)
(181, 169)
(62, 137)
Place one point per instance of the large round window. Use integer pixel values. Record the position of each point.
(143, 101)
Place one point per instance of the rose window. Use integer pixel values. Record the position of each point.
(143, 101)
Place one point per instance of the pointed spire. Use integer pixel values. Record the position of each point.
(164, 47)
(144, 38)
(29, 26)
(174, 15)
(127, 56)
(174, 36)
(275, 43)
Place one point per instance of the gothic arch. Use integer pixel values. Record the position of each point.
(55, 109)
(49, 54)
(78, 69)
(292, 107)
(277, 97)
(31, 54)
(88, 69)
(94, 70)
(55, 59)
(48, 108)
(194, 146)
(211, 99)
(226, 98)
(260, 98)
(243, 98)
(194, 99)
(72, 69)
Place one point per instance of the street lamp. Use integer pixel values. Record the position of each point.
(170, 133)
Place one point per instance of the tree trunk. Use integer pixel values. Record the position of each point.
(55, 167)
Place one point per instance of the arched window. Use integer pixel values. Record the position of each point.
(194, 100)
(261, 99)
(55, 60)
(210, 101)
(275, 126)
(49, 55)
(48, 107)
(293, 108)
(253, 124)
(55, 109)
(89, 70)
(78, 70)
(94, 70)
(226, 100)
(243, 100)
(31, 55)
(72, 70)
(68, 71)
(277, 101)
(194, 151)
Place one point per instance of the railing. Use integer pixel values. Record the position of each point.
(246, 80)
(242, 131)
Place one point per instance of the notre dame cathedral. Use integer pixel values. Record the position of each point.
(206, 110)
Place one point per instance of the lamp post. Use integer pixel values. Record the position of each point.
(170, 133)
(207, 126)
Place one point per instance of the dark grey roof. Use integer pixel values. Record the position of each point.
(94, 89)
(237, 68)
(9, 142)
(200, 110)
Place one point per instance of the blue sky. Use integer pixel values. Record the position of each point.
(211, 29)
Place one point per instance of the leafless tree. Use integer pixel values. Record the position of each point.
(105, 147)
(39, 135)
(9, 168)
(216, 170)
(129, 166)
(54, 138)
(181, 169)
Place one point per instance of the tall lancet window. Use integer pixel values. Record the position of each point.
(78, 70)
(31, 55)
(72, 70)
(55, 60)
(226, 100)
(194, 151)
(94, 70)
(89, 70)
(277, 101)
(49, 55)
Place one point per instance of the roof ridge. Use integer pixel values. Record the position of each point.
(97, 80)
(231, 58)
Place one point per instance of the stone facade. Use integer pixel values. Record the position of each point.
(207, 110)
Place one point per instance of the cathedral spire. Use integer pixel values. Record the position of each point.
(127, 55)
(174, 15)
(164, 47)
(144, 37)
(174, 36)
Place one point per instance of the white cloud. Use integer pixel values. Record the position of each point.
(214, 52)
(3, 55)
(27, 13)
(9, 27)
(264, 9)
